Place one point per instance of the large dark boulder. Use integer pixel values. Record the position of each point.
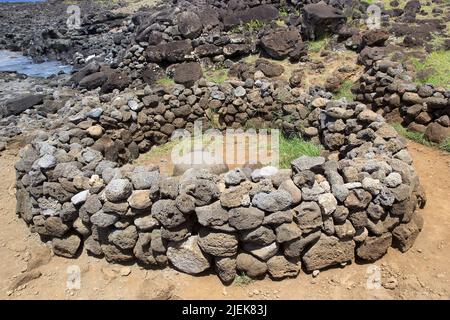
(187, 73)
(209, 18)
(320, 19)
(375, 38)
(174, 51)
(18, 105)
(189, 25)
(437, 133)
(116, 80)
(93, 81)
(263, 13)
(208, 50)
(88, 69)
(282, 43)
(369, 55)
(152, 73)
(269, 69)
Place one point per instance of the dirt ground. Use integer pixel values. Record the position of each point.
(30, 272)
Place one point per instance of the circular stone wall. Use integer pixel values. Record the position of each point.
(75, 186)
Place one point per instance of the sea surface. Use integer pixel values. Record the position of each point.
(15, 61)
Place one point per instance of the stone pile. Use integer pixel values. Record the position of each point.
(76, 188)
(387, 87)
(175, 38)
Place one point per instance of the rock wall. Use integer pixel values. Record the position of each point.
(77, 188)
(387, 87)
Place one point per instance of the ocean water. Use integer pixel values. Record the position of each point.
(15, 61)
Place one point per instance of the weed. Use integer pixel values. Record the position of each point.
(318, 45)
(437, 64)
(218, 76)
(165, 81)
(283, 12)
(345, 91)
(242, 280)
(293, 147)
(445, 145)
(254, 25)
(420, 138)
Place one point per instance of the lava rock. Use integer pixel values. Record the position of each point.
(187, 256)
(328, 251)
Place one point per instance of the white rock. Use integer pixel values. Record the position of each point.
(80, 197)
(327, 203)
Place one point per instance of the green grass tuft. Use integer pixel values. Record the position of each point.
(284, 12)
(318, 45)
(165, 81)
(445, 145)
(242, 280)
(218, 76)
(345, 91)
(280, 23)
(254, 25)
(438, 63)
(420, 138)
(294, 147)
(411, 135)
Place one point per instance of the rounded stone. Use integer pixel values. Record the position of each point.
(118, 190)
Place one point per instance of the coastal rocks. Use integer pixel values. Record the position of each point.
(93, 81)
(18, 105)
